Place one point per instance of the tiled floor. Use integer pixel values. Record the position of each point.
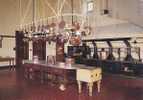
(14, 87)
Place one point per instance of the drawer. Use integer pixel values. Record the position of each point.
(83, 75)
(96, 74)
(57, 72)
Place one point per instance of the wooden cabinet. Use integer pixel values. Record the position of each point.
(21, 48)
(60, 52)
(26, 49)
(39, 49)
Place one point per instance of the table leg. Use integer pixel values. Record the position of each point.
(79, 86)
(98, 85)
(42, 76)
(31, 73)
(13, 64)
(90, 88)
(9, 64)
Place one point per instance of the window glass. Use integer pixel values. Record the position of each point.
(90, 6)
(140, 7)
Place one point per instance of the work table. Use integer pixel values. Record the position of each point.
(77, 72)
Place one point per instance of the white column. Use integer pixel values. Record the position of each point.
(30, 50)
(50, 49)
(141, 51)
(46, 49)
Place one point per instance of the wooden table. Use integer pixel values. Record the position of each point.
(8, 59)
(42, 67)
(84, 73)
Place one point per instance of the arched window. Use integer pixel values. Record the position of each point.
(90, 6)
(1, 41)
(140, 7)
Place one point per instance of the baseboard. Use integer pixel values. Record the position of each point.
(6, 67)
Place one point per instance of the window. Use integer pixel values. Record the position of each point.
(90, 6)
(0, 42)
(140, 7)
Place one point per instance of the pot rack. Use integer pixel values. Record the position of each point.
(49, 34)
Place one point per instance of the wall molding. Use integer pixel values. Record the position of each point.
(7, 36)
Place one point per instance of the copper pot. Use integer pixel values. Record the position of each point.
(75, 40)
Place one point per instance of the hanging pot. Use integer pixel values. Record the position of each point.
(46, 28)
(59, 38)
(33, 28)
(53, 25)
(75, 40)
(87, 30)
(83, 33)
(43, 28)
(39, 29)
(62, 24)
(76, 25)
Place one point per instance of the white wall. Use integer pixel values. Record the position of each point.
(126, 9)
(7, 49)
(8, 23)
(121, 9)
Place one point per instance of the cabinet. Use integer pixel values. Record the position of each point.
(21, 48)
(59, 52)
(39, 49)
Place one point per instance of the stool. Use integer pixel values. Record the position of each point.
(89, 76)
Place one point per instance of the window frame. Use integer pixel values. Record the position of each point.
(140, 7)
(90, 6)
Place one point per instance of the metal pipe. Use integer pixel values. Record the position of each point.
(34, 6)
(72, 11)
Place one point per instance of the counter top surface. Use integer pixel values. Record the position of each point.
(57, 65)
